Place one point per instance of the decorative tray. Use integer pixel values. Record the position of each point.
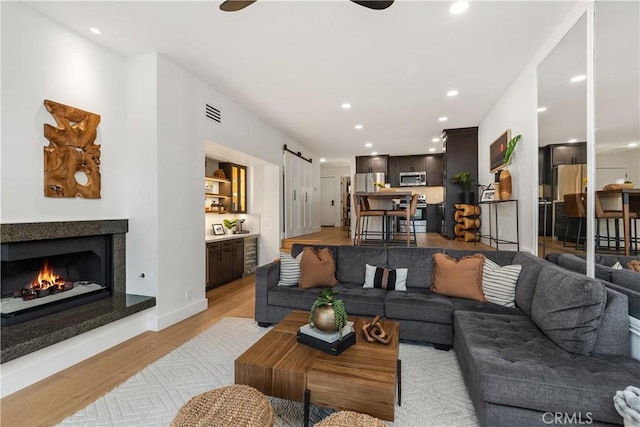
(617, 186)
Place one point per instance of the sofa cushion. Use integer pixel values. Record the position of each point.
(531, 267)
(384, 278)
(419, 261)
(292, 297)
(458, 278)
(318, 268)
(361, 302)
(579, 265)
(512, 363)
(289, 269)
(420, 305)
(464, 304)
(352, 260)
(568, 308)
(499, 257)
(499, 283)
(296, 248)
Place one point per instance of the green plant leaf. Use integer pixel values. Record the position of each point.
(511, 146)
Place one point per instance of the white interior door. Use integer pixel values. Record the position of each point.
(327, 201)
(291, 196)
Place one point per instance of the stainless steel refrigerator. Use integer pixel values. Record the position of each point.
(568, 179)
(366, 181)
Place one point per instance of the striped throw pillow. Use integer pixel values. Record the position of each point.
(289, 269)
(383, 278)
(499, 283)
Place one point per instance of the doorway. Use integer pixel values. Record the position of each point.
(327, 201)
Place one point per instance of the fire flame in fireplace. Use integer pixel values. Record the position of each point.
(47, 278)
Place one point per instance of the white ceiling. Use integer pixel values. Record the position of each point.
(294, 62)
(617, 77)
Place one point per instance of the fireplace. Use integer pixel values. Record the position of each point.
(89, 254)
(41, 277)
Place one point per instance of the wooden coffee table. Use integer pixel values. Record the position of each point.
(364, 378)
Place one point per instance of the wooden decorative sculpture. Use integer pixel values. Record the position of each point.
(375, 332)
(71, 160)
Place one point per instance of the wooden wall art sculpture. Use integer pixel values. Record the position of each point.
(71, 160)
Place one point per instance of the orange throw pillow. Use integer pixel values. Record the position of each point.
(318, 268)
(462, 279)
(634, 265)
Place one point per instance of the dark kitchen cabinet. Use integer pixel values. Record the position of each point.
(433, 219)
(412, 163)
(225, 262)
(393, 166)
(544, 165)
(568, 154)
(237, 174)
(434, 169)
(460, 147)
(368, 164)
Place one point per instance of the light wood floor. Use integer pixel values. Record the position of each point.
(51, 400)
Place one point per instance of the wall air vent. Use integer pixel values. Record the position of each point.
(212, 113)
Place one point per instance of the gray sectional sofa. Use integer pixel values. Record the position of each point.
(564, 348)
(625, 281)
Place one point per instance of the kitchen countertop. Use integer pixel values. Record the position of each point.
(209, 238)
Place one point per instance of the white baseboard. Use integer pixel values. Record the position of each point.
(634, 333)
(31, 368)
(159, 323)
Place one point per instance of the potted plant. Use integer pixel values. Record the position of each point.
(230, 224)
(327, 312)
(463, 179)
(511, 146)
(505, 175)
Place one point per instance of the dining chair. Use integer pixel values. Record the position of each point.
(402, 213)
(575, 210)
(363, 213)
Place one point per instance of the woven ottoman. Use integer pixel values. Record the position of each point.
(350, 419)
(235, 405)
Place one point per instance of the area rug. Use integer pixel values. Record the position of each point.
(433, 392)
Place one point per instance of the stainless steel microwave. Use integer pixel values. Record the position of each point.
(413, 179)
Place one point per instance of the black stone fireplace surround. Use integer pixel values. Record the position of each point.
(35, 334)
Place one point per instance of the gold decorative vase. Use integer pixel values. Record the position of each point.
(324, 318)
(505, 185)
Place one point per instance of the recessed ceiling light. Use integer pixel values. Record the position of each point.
(432, 150)
(435, 140)
(346, 105)
(578, 78)
(542, 109)
(459, 7)
(442, 119)
(452, 93)
(632, 144)
(95, 30)
(322, 160)
(373, 153)
(368, 144)
(573, 140)
(358, 127)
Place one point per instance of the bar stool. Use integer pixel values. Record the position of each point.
(402, 213)
(574, 211)
(615, 215)
(364, 211)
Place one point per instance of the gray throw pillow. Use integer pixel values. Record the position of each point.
(568, 308)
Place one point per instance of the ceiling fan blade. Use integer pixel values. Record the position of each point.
(235, 5)
(374, 4)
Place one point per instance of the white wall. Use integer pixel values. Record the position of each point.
(153, 136)
(40, 60)
(629, 159)
(336, 172)
(516, 110)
